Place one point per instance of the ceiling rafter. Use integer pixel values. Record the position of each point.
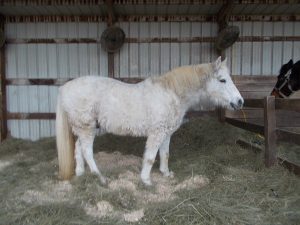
(224, 14)
(136, 2)
(111, 14)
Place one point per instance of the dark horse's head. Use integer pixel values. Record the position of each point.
(288, 80)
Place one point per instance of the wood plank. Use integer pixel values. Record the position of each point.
(286, 118)
(24, 81)
(245, 144)
(149, 40)
(294, 168)
(111, 63)
(246, 126)
(270, 131)
(254, 79)
(245, 113)
(263, 87)
(30, 116)
(288, 136)
(255, 103)
(19, 81)
(56, 82)
(288, 104)
(220, 114)
(146, 18)
(3, 116)
(254, 94)
(282, 121)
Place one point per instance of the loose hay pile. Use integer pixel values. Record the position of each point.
(216, 182)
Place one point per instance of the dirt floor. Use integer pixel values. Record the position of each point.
(216, 182)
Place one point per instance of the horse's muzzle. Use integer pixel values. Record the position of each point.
(238, 104)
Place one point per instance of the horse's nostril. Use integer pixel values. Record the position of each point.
(240, 102)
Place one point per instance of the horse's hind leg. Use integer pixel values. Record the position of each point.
(164, 158)
(79, 170)
(86, 138)
(152, 145)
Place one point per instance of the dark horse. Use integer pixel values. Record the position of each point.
(288, 80)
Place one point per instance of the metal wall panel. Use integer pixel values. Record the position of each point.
(133, 60)
(48, 61)
(148, 59)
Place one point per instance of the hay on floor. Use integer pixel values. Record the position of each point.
(216, 182)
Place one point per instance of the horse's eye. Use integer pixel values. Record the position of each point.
(223, 81)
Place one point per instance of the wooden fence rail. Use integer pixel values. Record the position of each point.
(271, 131)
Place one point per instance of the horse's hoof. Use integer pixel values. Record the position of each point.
(169, 174)
(79, 173)
(103, 180)
(147, 182)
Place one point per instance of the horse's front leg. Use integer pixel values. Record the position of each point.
(164, 158)
(152, 145)
(86, 139)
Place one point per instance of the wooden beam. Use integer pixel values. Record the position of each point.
(288, 104)
(270, 131)
(111, 18)
(247, 145)
(150, 18)
(254, 103)
(224, 14)
(294, 168)
(3, 117)
(220, 114)
(222, 20)
(27, 82)
(237, 79)
(288, 136)
(30, 116)
(50, 3)
(148, 40)
(246, 126)
(111, 64)
(92, 3)
(56, 82)
(110, 12)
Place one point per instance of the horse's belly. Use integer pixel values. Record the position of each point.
(125, 124)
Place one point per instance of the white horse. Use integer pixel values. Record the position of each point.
(153, 108)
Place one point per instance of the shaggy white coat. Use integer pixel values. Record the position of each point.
(153, 108)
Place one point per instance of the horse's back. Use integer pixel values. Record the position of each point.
(119, 108)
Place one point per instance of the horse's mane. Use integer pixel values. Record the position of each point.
(185, 78)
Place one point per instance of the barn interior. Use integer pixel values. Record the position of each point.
(230, 167)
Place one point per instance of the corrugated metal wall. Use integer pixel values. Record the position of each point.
(146, 59)
(47, 61)
(133, 60)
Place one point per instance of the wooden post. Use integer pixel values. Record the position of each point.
(110, 21)
(270, 131)
(3, 117)
(111, 64)
(222, 20)
(221, 114)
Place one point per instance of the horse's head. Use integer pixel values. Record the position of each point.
(288, 80)
(221, 89)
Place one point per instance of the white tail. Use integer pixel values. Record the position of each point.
(65, 143)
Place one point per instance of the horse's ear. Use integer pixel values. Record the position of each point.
(217, 63)
(224, 62)
(290, 63)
